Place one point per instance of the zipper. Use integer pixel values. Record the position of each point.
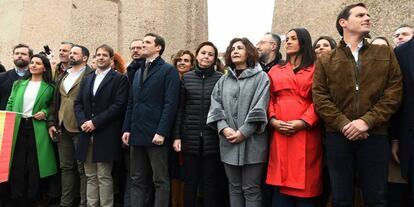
(357, 70)
(202, 105)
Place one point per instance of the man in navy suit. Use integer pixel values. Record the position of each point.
(99, 110)
(21, 55)
(150, 115)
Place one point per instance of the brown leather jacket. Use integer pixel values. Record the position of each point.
(345, 90)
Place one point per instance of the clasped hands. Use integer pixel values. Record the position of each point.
(233, 136)
(288, 127)
(356, 130)
(88, 126)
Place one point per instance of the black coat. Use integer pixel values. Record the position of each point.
(152, 104)
(133, 67)
(106, 110)
(402, 123)
(6, 83)
(195, 96)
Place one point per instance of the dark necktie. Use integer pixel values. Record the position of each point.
(147, 65)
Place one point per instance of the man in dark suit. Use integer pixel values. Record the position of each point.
(150, 115)
(21, 56)
(99, 110)
(402, 125)
(62, 120)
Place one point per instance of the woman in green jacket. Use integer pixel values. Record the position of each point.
(32, 151)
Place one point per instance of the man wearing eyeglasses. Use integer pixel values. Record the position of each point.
(268, 48)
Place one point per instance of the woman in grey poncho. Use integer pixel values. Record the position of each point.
(238, 111)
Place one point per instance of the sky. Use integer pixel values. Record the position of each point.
(228, 19)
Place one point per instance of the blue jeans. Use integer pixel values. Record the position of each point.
(367, 158)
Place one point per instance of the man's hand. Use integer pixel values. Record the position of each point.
(39, 115)
(88, 126)
(395, 149)
(158, 139)
(177, 145)
(354, 129)
(125, 138)
(236, 137)
(52, 131)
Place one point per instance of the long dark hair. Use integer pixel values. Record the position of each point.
(47, 74)
(305, 48)
(331, 41)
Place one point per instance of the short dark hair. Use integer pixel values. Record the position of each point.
(158, 41)
(208, 43)
(25, 46)
(331, 41)
(181, 53)
(85, 51)
(344, 14)
(106, 47)
(251, 51)
(47, 74)
(305, 48)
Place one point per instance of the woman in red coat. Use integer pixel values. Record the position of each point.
(295, 160)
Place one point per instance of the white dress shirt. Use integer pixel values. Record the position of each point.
(71, 78)
(98, 79)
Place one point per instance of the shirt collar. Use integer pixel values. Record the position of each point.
(360, 44)
(99, 72)
(21, 71)
(70, 70)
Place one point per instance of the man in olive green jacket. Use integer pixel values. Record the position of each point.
(64, 127)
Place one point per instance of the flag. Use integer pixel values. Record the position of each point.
(7, 122)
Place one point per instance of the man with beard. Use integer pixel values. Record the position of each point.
(137, 60)
(21, 57)
(62, 121)
(61, 67)
(268, 48)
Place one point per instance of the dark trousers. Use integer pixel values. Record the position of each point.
(145, 160)
(24, 173)
(282, 200)
(201, 171)
(398, 195)
(369, 158)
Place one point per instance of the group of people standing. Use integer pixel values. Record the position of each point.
(275, 128)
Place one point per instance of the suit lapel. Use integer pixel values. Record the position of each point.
(105, 81)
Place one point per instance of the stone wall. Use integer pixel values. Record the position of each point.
(183, 24)
(319, 16)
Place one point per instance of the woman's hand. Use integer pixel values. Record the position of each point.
(237, 137)
(281, 126)
(40, 115)
(177, 145)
